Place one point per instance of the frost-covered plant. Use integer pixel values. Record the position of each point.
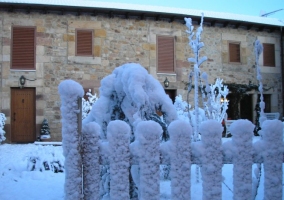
(195, 44)
(87, 104)
(44, 159)
(216, 104)
(182, 108)
(258, 48)
(2, 124)
(132, 95)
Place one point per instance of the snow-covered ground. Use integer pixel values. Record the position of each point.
(17, 183)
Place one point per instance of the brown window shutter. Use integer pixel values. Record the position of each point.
(23, 48)
(165, 48)
(234, 52)
(84, 42)
(268, 55)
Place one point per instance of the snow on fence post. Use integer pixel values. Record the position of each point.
(211, 159)
(148, 135)
(118, 135)
(272, 159)
(91, 161)
(180, 154)
(242, 133)
(70, 91)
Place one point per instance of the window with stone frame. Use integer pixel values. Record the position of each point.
(165, 54)
(23, 48)
(268, 55)
(84, 42)
(234, 52)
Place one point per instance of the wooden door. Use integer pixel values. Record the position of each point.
(172, 94)
(23, 115)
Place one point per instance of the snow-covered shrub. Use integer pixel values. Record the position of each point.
(87, 104)
(2, 124)
(216, 105)
(44, 159)
(182, 108)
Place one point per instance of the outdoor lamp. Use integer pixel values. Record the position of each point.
(22, 81)
(166, 82)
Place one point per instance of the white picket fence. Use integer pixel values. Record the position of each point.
(84, 153)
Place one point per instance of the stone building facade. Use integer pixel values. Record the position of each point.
(117, 41)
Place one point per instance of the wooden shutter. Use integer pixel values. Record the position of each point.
(165, 49)
(268, 55)
(84, 42)
(234, 52)
(23, 48)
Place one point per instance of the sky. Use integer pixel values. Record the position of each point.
(245, 7)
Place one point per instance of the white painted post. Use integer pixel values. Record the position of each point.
(180, 154)
(148, 135)
(118, 135)
(211, 159)
(91, 161)
(242, 132)
(272, 159)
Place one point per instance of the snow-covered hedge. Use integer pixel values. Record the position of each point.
(44, 159)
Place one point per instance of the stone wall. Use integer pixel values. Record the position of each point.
(117, 41)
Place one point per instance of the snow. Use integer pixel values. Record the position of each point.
(17, 183)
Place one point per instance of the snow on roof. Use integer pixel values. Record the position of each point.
(149, 8)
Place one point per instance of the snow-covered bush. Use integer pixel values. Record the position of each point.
(182, 108)
(216, 105)
(45, 158)
(87, 104)
(2, 123)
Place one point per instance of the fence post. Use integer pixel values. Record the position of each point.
(180, 154)
(118, 135)
(91, 161)
(211, 159)
(242, 132)
(148, 135)
(70, 91)
(272, 158)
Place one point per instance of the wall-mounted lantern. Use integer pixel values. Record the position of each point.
(22, 81)
(166, 82)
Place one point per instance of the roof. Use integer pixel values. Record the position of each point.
(142, 11)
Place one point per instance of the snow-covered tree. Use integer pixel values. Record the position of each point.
(44, 131)
(258, 48)
(195, 44)
(132, 95)
(2, 124)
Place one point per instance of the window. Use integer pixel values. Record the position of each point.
(268, 55)
(84, 43)
(165, 54)
(23, 48)
(234, 52)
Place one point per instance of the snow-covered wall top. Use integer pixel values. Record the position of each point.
(147, 8)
